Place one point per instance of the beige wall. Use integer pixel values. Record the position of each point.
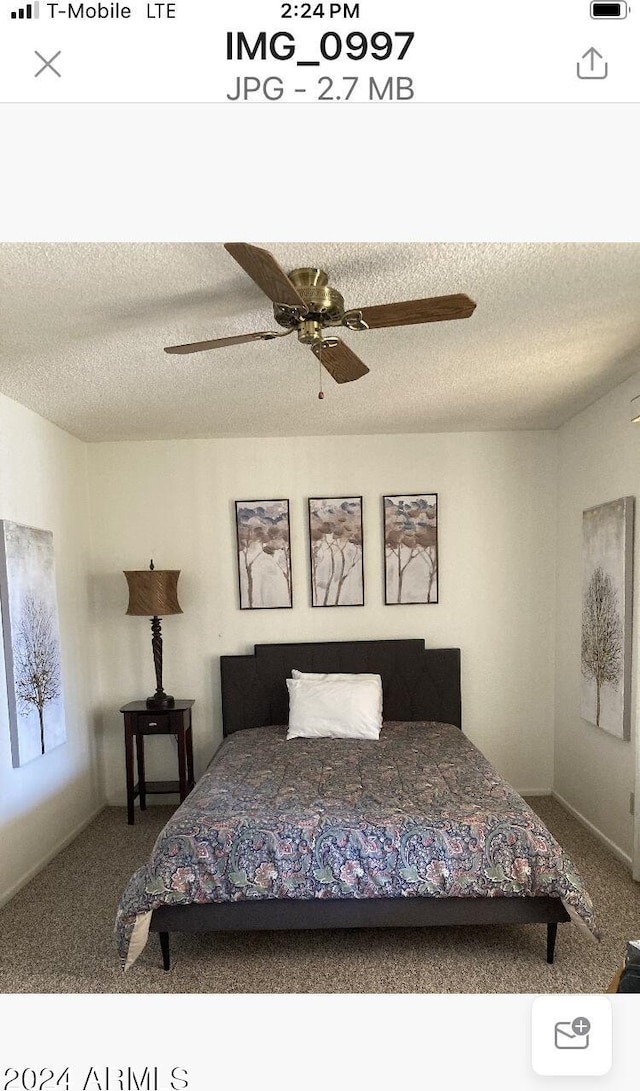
(174, 501)
(44, 803)
(599, 460)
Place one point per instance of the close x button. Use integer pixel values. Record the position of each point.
(47, 65)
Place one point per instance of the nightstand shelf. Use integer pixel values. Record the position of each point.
(140, 721)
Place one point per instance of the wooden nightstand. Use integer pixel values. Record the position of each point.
(140, 721)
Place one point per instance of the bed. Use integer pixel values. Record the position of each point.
(413, 830)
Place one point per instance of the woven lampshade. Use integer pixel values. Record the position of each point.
(153, 593)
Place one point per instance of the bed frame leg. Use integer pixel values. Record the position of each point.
(164, 947)
(552, 931)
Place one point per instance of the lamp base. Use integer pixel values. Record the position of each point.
(161, 700)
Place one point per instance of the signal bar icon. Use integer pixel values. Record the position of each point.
(30, 11)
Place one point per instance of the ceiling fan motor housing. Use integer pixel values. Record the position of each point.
(325, 305)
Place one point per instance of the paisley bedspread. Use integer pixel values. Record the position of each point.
(418, 812)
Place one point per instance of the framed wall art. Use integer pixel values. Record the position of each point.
(410, 548)
(607, 574)
(31, 641)
(336, 551)
(264, 554)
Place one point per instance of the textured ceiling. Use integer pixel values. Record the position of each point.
(82, 331)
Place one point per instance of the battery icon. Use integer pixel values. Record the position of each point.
(609, 11)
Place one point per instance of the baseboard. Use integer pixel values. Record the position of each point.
(613, 848)
(524, 792)
(7, 895)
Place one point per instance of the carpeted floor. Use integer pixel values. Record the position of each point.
(57, 934)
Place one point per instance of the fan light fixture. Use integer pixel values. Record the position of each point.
(154, 594)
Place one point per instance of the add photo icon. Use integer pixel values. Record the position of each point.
(571, 1035)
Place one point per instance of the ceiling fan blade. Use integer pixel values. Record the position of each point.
(440, 308)
(222, 342)
(264, 270)
(341, 363)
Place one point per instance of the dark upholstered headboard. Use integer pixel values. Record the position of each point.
(417, 683)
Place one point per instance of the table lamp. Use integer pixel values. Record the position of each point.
(154, 594)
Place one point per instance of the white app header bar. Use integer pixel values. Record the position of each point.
(355, 51)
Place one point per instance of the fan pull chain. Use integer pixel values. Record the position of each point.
(321, 391)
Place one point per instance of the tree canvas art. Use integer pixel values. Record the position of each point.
(606, 616)
(335, 544)
(31, 641)
(264, 554)
(411, 548)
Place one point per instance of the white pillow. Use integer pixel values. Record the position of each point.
(339, 678)
(334, 708)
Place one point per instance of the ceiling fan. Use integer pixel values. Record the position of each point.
(304, 302)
